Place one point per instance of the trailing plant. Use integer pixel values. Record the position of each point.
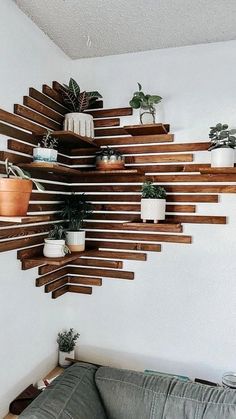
(77, 100)
(108, 152)
(58, 232)
(48, 141)
(150, 191)
(13, 170)
(75, 209)
(67, 340)
(147, 102)
(221, 137)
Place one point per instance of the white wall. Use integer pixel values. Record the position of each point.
(29, 319)
(179, 314)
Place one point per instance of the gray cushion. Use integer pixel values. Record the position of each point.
(71, 396)
(133, 395)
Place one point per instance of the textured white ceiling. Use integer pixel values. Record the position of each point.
(90, 28)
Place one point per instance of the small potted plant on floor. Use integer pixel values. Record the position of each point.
(153, 202)
(77, 102)
(75, 209)
(55, 245)
(146, 104)
(15, 191)
(109, 159)
(223, 143)
(45, 151)
(66, 344)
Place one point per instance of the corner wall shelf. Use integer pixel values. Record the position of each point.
(68, 139)
(148, 129)
(50, 168)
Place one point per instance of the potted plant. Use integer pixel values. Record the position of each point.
(55, 245)
(77, 102)
(66, 344)
(223, 143)
(15, 191)
(45, 151)
(153, 202)
(75, 209)
(146, 104)
(109, 159)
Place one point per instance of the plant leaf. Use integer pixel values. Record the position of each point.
(139, 86)
(74, 87)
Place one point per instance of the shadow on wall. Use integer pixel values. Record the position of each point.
(137, 362)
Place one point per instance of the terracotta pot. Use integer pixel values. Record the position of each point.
(14, 196)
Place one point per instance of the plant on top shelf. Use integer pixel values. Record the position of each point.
(75, 209)
(45, 151)
(15, 189)
(66, 344)
(55, 245)
(77, 102)
(153, 202)
(223, 143)
(146, 104)
(109, 159)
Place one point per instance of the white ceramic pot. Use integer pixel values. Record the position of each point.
(54, 248)
(222, 157)
(80, 123)
(42, 154)
(153, 209)
(62, 358)
(75, 240)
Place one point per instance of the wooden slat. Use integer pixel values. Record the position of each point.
(52, 93)
(169, 188)
(44, 110)
(159, 158)
(134, 207)
(162, 227)
(137, 198)
(165, 148)
(48, 168)
(198, 219)
(141, 139)
(16, 133)
(125, 246)
(163, 168)
(170, 238)
(218, 170)
(46, 279)
(113, 264)
(67, 139)
(119, 255)
(59, 292)
(29, 252)
(56, 284)
(20, 122)
(108, 122)
(24, 230)
(80, 290)
(36, 117)
(108, 179)
(20, 147)
(14, 158)
(46, 100)
(107, 132)
(85, 280)
(6, 221)
(107, 113)
(59, 261)
(147, 129)
(18, 244)
(192, 178)
(107, 273)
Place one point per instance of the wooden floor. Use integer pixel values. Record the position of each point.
(50, 375)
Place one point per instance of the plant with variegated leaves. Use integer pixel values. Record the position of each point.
(13, 170)
(77, 100)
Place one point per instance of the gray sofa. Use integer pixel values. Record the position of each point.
(86, 391)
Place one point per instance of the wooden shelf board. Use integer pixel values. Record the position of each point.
(68, 139)
(25, 219)
(42, 260)
(218, 170)
(148, 129)
(160, 226)
(51, 168)
(108, 172)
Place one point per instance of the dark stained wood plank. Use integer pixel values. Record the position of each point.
(42, 260)
(14, 158)
(107, 113)
(108, 122)
(113, 264)
(16, 133)
(53, 94)
(59, 292)
(218, 170)
(198, 219)
(56, 284)
(30, 251)
(46, 100)
(161, 226)
(163, 168)
(192, 178)
(20, 147)
(24, 220)
(146, 247)
(147, 129)
(49, 168)
(9, 233)
(136, 207)
(170, 238)
(85, 280)
(141, 139)
(107, 132)
(19, 243)
(80, 290)
(43, 109)
(165, 148)
(136, 198)
(159, 158)
(36, 117)
(67, 139)
(46, 279)
(119, 255)
(107, 273)
(20, 122)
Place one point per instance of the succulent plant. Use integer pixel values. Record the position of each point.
(48, 141)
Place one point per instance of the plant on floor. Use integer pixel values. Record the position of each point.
(77, 100)
(146, 103)
(222, 137)
(109, 158)
(67, 340)
(75, 209)
(150, 191)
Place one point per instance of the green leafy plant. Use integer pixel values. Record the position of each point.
(150, 191)
(222, 137)
(108, 152)
(67, 340)
(48, 141)
(75, 209)
(58, 232)
(147, 102)
(13, 170)
(77, 100)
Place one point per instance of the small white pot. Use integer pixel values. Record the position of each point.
(62, 358)
(75, 240)
(153, 209)
(42, 154)
(222, 157)
(80, 123)
(54, 248)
